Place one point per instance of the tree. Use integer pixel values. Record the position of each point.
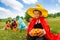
(27, 17)
(58, 14)
(21, 17)
(54, 15)
(50, 15)
(17, 17)
(9, 18)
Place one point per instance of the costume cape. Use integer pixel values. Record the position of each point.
(45, 25)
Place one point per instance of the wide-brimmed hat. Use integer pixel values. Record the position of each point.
(38, 7)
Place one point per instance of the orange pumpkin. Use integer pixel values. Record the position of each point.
(14, 29)
(36, 32)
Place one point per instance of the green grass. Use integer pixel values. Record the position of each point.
(2, 24)
(10, 35)
(54, 24)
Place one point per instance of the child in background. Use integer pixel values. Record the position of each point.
(21, 25)
(14, 25)
(8, 24)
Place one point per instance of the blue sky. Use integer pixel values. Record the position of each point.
(12, 8)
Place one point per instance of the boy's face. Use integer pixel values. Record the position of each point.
(37, 14)
(8, 22)
(12, 21)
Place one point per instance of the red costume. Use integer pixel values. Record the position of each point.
(45, 25)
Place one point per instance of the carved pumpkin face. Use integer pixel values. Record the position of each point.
(36, 32)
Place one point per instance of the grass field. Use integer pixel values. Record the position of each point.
(10, 35)
(54, 24)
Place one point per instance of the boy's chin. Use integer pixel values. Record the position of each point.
(36, 17)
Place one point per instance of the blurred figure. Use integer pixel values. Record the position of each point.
(14, 25)
(8, 25)
(21, 24)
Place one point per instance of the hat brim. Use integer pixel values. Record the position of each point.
(30, 12)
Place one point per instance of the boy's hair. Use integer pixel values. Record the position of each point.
(38, 11)
(8, 21)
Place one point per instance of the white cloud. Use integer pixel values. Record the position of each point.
(54, 10)
(57, 5)
(12, 3)
(30, 1)
(58, 1)
(4, 13)
(15, 5)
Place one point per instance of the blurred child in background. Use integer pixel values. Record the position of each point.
(8, 24)
(14, 25)
(21, 24)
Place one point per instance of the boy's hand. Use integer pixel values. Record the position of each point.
(43, 33)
